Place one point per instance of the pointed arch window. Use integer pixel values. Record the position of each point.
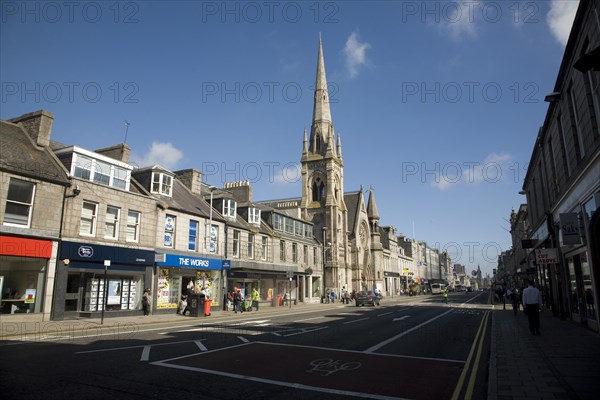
(318, 142)
(318, 190)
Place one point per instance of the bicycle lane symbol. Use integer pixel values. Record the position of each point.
(327, 366)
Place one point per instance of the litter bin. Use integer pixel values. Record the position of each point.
(207, 307)
(195, 304)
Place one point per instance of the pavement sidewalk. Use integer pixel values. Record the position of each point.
(562, 363)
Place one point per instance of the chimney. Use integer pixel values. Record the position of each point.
(120, 152)
(240, 190)
(38, 124)
(191, 178)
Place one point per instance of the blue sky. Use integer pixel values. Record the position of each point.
(438, 103)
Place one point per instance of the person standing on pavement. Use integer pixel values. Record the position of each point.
(255, 299)
(146, 302)
(445, 296)
(532, 303)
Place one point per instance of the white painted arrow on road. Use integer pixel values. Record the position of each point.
(401, 318)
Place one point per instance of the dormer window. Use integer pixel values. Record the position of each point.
(162, 183)
(254, 216)
(229, 208)
(103, 172)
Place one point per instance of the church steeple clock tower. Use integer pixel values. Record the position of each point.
(323, 184)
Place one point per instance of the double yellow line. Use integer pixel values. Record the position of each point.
(477, 344)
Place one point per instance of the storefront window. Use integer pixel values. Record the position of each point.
(169, 290)
(573, 298)
(21, 284)
(124, 293)
(587, 286)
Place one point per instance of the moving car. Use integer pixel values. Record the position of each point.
(367, 297)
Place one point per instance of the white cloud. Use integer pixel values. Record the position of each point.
(560, 18)
(163, 154)
(355, 54)
(493, 169)
(456, 22)
(291, 173)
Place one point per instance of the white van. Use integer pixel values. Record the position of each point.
(437, 288)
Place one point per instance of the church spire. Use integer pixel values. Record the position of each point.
(305, 144)
(339, 145)
(372, 211)
(321, 111)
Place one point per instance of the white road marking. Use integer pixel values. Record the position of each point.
(201, 346)
(303, 331)
(381, 315)
(401, 318)
(390, 340)
(355, 320)
(146, 353)
(243, 339)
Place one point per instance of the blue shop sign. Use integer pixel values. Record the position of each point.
(96, 253)
(176, 260)
(226, 264)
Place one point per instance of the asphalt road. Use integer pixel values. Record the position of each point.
(410, 347)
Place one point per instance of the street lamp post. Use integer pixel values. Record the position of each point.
(105, 293)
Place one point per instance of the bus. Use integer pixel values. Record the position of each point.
(437, 288)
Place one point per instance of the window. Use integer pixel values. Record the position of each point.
(236, 243)
(298, 228)
(308, 231)
(120, 178)
(100, 172)
(594, 83)
(169, 237)
(289, 225)
(314, 255)
(563, 145)
(229, 207)
(19, 203)
(111, 223)
(82, 167)
(305, 254)
(282, 250)
(251, 245)
(277, 222)
(193, 236)
(294, 252)
(265, 247)
(213, 244)
(89, 213)
(162, 183)
(132, 230)
(254, 215)
(575, 115)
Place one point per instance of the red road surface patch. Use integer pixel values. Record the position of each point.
(336, 371)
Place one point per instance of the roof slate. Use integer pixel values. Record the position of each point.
(20, 155)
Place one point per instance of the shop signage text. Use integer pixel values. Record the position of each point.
(546, 256)
(176, 260)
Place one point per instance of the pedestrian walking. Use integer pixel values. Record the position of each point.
(255, 298)
(514, 299)
(237, 301)
(532, 303)
(147, 302)
(445, 296)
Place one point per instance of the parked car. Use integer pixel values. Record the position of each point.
(367, 297)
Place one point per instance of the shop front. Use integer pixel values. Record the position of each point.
(272, 287)
(24, 268)
(392, 283)
(91, 287)
(179, 275)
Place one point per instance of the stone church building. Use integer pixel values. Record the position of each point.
(347, 226)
